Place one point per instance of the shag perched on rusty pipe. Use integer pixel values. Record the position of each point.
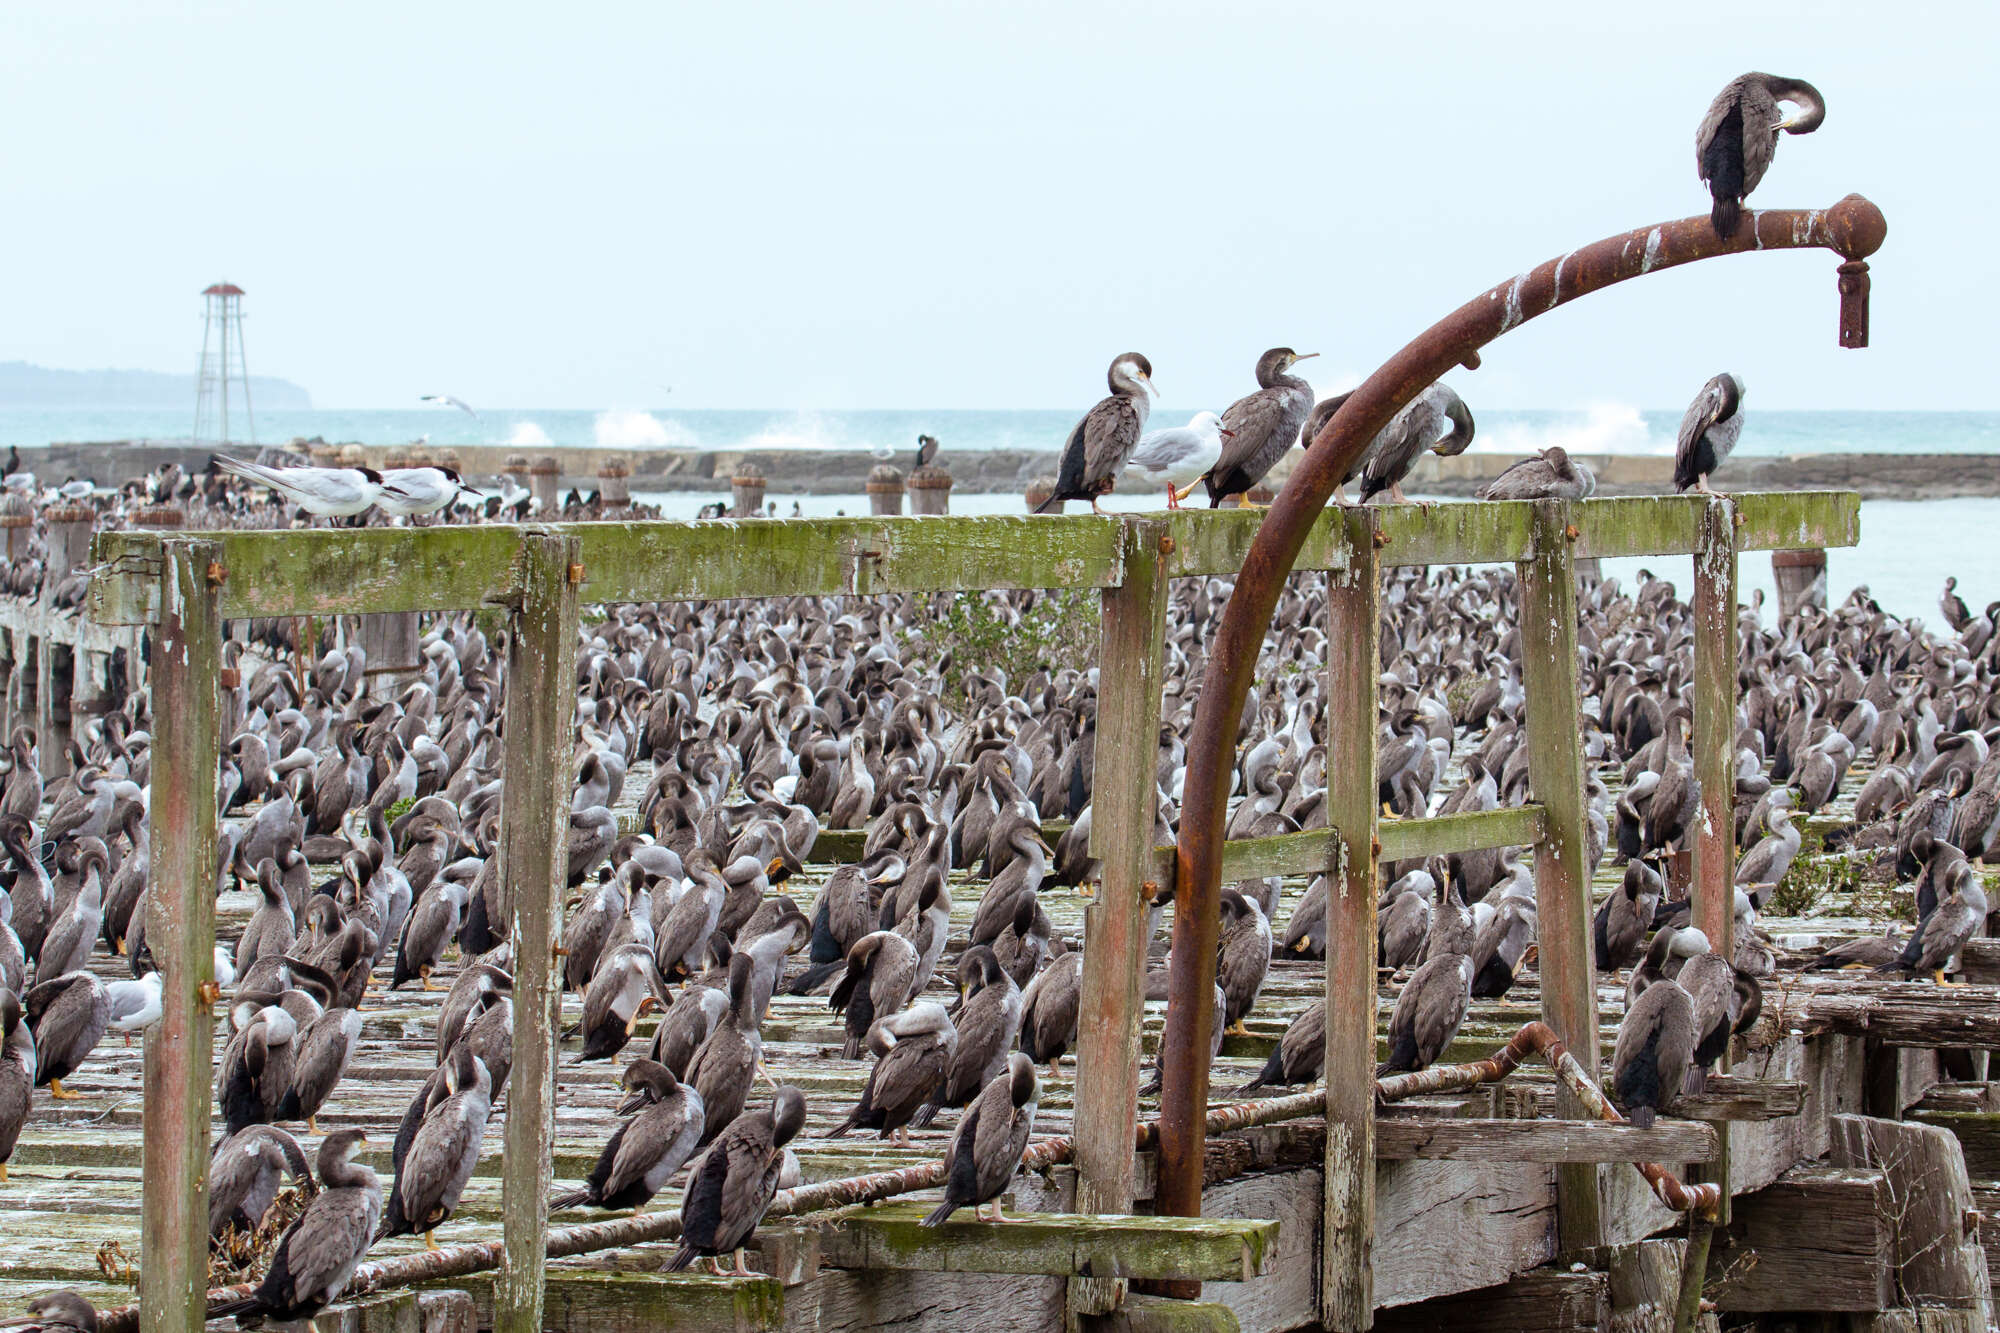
(1853, 228)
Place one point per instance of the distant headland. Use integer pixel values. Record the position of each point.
(25, 385)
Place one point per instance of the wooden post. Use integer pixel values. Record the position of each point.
(50, 748)
(930, 490)
(1801, 580)
(1562, 885)
(746, 491)
(545, 480)
(1713, 888)
(180, 931)
(1131, 665)
(534, 850)
(389, 642)
(885, 489)
(1347, 1284)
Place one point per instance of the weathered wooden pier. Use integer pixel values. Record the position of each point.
(1316, 1203)
(1428, 1200)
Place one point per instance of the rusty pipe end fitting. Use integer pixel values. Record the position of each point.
(1854, 285)
(1856, 227)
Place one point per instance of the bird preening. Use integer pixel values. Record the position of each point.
(1737, 138)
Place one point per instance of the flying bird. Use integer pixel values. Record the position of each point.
(446, 400)
(1736, 140)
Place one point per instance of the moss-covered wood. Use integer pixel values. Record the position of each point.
(583, 1301)
(341, 571)
(1305, 853)
(1213, 1249)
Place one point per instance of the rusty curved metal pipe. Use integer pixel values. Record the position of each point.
(1854, 228)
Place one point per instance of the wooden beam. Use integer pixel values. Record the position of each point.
(448, 567)
(1731, 1098)
(534, 866)
(1937, 1256)
(889, 1236)
(180, 932)
(588, 1301)
(1823, 1240)
(1124, 801)
(1159, 1314)
(1562, 884)
(1215, 541)
(1713, 887)
(1909, 1014)
(1347, 1294)
(1675, 1141)
(1543, 1300)
(1401, 840)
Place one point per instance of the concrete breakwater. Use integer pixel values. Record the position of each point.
(1000, 471)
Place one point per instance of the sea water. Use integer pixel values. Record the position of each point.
(1601, 428)
(1907, 548)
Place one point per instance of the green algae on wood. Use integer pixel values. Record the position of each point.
(1215, 1249)
(445, 567)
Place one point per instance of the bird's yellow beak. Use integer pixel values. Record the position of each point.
(1304, 356)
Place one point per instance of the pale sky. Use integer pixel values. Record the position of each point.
(895, 205)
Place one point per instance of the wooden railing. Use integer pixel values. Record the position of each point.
(187, 586)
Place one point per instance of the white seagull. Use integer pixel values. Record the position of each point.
(410, 491)
(134, 1005)
(331, 492)
(446, 400)
(1175, 456)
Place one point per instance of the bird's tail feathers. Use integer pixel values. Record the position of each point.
(941, 1214)
(569, 1199)
(683, 1257)
(1725, 216)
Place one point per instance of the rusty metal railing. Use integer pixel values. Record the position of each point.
(1854, 228)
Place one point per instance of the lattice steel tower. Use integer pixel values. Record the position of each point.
(222, 321)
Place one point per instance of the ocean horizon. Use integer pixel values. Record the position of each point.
(1599, 428)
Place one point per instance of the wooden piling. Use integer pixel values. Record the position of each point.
(1562, 885)
(1713, 888)
(534, 850)
(1801, 580)
(389, 643)
(545, 480)
(1347, 1293)
(930, 490)
(1124, 801)
(746, 491)
(180, 931)
(18, 521)
(885, 489)
(614, 491)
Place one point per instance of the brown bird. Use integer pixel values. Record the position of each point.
(1736, 140)
(1100, 444)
